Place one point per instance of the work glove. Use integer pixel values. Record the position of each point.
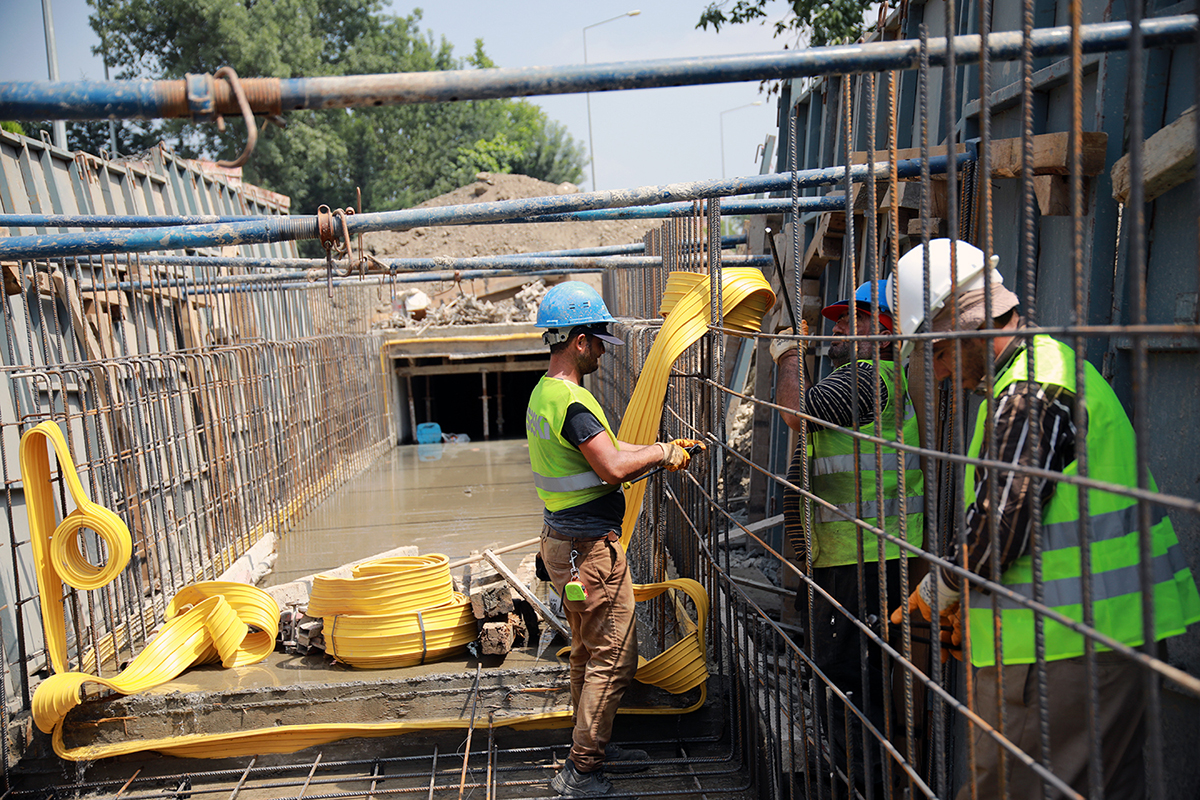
(949, 617)
(781, 346)
(676, 455)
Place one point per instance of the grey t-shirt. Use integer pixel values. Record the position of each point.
(595, 517)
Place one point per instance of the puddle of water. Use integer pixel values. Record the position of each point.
(449, 499)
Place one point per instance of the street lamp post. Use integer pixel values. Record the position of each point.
(591, 148)
(722, 115)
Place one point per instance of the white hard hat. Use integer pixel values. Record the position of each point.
(907, 283)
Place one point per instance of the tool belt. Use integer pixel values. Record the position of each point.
(611, 536)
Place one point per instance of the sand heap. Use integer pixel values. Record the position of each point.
(491, 299)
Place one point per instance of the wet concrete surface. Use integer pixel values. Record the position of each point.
(449, 499)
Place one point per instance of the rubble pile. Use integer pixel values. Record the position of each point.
(487, 300)
(466, 309)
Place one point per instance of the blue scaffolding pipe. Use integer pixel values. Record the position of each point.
(729, 208)
(477, 267)
(230, 284)
(280, 229)
(200, 97)
(244, 262)
(114, 221)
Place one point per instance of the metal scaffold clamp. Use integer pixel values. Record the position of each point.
(201, 100)
(328, 239)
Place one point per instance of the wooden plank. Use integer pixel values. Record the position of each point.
(1169, 159)
(543, 611)
(1053, 194)
(12, 277)
(904, 154)
(1051, 154)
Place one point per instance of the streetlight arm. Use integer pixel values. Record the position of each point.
(613, 19)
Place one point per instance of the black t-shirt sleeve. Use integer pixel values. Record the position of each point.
(580, 424)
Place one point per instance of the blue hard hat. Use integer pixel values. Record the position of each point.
(862, 298)
(572, 303)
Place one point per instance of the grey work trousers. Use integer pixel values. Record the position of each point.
(1121, 724)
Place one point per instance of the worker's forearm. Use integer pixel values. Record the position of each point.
(787, 387)
(632, 460)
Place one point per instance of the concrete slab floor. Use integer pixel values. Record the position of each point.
(449, 499)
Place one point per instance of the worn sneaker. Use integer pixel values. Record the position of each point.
(619, 759)
(572, 783)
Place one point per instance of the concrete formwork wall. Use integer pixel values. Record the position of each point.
(208, 417)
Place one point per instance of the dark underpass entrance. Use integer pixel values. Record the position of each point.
(484, 399)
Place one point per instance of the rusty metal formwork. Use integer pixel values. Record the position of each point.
(208, 415)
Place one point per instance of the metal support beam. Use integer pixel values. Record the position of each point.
(142, 99)
(278, 229)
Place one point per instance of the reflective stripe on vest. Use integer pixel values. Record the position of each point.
(1105, 585)
(1113, 534)
(569, 483)
(835, 480)
(870, 510)
(829, 465)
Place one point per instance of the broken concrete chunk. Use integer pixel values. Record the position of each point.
(491, 600)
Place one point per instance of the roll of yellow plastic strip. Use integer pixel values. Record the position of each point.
(385, 586)
(57, 558)
(228, 622)
(687, 304)
(379, 641)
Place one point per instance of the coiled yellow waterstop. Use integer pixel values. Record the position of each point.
(393, 612)
(233, 623)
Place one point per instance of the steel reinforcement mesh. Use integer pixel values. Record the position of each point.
(1097, 237)
(207, 417)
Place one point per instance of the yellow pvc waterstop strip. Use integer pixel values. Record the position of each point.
(687, 305)
(233, 623)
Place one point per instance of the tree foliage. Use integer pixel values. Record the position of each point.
(823, 22)
(398, 155)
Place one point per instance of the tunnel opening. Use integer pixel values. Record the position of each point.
(484, 399)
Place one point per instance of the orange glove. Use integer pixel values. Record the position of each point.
(676, 455)
(952, 623)
(915, 603)
(950, 619)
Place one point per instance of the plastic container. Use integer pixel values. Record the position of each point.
(428, 433)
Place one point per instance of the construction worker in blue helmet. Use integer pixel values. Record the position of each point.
(832, 546)
(578, 467)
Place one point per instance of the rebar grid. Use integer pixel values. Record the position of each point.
(929, 699)
(208, 422)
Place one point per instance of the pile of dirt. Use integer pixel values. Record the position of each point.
(491, 299)
(464, 241)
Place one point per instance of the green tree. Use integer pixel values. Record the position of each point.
(823, 22)
(398, 155)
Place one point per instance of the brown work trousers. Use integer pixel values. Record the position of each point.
(1121, 724)
(603, 638)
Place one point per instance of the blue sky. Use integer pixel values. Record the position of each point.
(645, 137)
